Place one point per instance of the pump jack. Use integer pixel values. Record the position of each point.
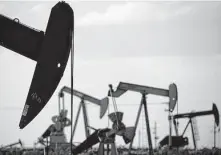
(191, 115)
(145, 90)
(103, 104)
(50, 49)
(13, 144)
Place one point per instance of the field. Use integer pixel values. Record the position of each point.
(121, 151)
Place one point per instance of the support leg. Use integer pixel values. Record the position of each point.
(59, 107)
(170, 130)
(137, 120)
(87, 131)
(47, 146)
(108, 149)
(101, 149)
(147, 126)
(76, 120)
(113, 149)
(186, 128)
(214, 132)
(194, 140)
(175, 127)
(63, 103)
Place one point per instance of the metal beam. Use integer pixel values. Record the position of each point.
(81, 95)
(123, 87)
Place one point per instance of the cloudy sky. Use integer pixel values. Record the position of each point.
(147, 43)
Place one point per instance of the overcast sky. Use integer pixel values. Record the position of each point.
(147, 43)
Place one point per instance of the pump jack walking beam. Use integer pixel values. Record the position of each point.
(50, 49)
(145, 90)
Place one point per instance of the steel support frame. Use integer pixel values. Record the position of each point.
(144, 104)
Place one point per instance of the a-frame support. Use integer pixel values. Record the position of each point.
(86, 124)
(102, 103)
(192, 130)
(143, 104)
